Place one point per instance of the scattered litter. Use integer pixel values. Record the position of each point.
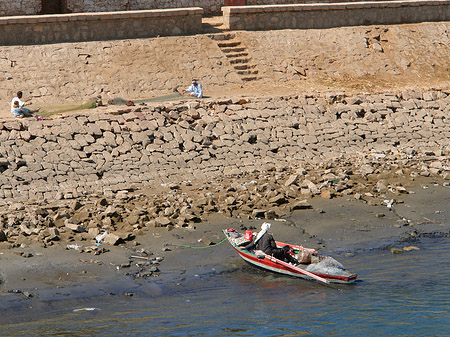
(139, 257)
(85, 309)
(99, 238)
(389, 203)
(75, 246)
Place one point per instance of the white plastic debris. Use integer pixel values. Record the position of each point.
(85, 309)
(99, 238)
(75, 246)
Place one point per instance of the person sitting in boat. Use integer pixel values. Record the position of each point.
(264, 241)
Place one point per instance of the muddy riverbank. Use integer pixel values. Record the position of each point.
(342, 226)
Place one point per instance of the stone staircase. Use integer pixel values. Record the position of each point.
(237, 54)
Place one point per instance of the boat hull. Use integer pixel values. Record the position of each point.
(274, 265)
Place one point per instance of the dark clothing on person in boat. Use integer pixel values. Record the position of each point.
(267, 244)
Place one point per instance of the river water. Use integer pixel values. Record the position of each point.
(397, 295)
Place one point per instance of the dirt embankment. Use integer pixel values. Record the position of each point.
(352, 59)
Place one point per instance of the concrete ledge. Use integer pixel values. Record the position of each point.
(38, 29)
(328, 15)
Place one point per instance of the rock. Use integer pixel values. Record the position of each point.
(311, 186)
(205, 241)
(24, 230)
(162, 221)
(278, 199)
(291, 180)
(27, 294)
(270, 215)
(410, 248)
(259, 213)
(366, 169)
(110, 211)
(396, 251)
(112, 239)
(93, 232)
(75, 205)
(26, 255)
(401, 190)
(3, 236)
(75, 228)
(174, 186)
(326, 194)
(102, 202)
(230, 201)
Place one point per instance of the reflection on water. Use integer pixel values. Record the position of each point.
(397, 295)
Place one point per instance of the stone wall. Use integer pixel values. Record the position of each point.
(99, 26)
(210, 7)
(19, 7)
(176, 142)
(131, 69)
(75, 6)
(307, 16)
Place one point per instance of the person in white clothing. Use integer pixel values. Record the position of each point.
(195, 89)
(17, 106)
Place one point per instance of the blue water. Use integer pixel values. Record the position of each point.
(397, 295)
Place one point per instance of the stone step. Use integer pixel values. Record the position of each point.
(234, 55)
(244, 66)
(233, 50)
(247, 79)
(228, 44)
(221, 36)
(247, 72)
(239, 60)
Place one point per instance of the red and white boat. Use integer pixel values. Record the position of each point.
(305, 263)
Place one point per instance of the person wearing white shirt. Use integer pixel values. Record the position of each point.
(17, 106)
(195, 89)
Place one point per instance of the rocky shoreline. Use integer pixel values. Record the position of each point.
(245, 160)
(113, 175)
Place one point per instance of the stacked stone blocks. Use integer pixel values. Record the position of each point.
(323, 15)
(41, 29)
(100, 153)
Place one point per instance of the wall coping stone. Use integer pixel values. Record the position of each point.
(333, 6)
(30, 19)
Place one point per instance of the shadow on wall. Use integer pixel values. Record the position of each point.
(53, 7)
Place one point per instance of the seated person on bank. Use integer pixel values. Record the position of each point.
(195, 89)
(17, 107)
(264, 241)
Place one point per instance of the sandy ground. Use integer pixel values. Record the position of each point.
(351, 59)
